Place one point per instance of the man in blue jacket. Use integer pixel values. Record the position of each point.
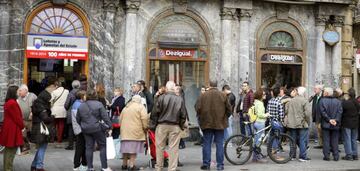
(331, 111)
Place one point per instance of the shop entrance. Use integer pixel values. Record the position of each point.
(40, 69)
(190, 75)
(286, 75)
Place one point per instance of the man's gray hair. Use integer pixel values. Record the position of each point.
(170, 86)
(75, 84)
(329, 91)
(319, 86)
(24, 87)
(301, 91)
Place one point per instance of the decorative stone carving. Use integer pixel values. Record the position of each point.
(110, 5)
(180, 6)
(59, 2)
(321, 20)
(132, 6)
(245, 14)
(227, 13)
(339, 21)
(282, 11)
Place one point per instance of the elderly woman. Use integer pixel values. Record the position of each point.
(11, 136)
(134, 122)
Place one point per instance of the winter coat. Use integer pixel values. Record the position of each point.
(134, 121)
(350, 117)
(58, 99)
(316, 113)
(298, 114)
(42, 113)
(68, 104)
(76, 127)
(330, 108)
(169, 109)
(89, 116)
(11, 133)
(248, 101)
(213, 110)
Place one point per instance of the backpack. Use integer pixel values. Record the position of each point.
(252, 114)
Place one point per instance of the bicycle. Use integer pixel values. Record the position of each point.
(280, 147)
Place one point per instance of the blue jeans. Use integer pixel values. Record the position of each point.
(276, 143)
(300, 137)
(258, 126)
(229, 130)
(349, 140)
(218, 136)
(39, 158)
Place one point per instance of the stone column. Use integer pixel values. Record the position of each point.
(347, 50)
(244, 48)
(227, 17)
(110, 8)
(320, 69)
(4, 50)
(132, 7)
(336, 54)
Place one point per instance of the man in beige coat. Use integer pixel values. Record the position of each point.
(298, 119)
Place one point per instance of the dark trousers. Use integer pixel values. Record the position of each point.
(80, 155)
(218, 137)
(242, 125)
(330, 140)
(100, 139)
(71, 135)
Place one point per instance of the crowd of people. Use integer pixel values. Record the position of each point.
(90, 118)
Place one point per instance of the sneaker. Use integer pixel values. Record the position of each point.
(76, 169)
(355, 157)
(326, 158)
(124, 167)
(304, 159)
(261, 161)
(83, 168)
(220, 168)
(203, 167)
(107, 169)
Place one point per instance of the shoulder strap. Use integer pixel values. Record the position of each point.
(59, 96)
(91, 111)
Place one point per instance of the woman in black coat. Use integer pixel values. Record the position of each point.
(41, 114)
(350, 125)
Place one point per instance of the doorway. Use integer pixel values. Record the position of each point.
(190, 75)
(287, 75)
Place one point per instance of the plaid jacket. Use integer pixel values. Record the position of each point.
(275, 108)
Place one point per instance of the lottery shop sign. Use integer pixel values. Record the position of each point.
(179, 53)
(57, 47)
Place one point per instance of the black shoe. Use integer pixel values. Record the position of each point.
(180, 164)
(33, 168)
(124, 167)
(133, 168)
(181, 146)
(349, 158)
(69, 148)
(326, 158)
(336, 158)
(355, 157)
(203, 167)
(318, 147)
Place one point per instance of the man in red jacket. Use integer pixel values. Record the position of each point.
(11, 134)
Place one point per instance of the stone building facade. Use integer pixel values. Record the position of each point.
(264, 42)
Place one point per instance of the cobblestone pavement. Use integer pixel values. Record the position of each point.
(61, 160)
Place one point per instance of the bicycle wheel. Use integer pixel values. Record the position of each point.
(238, 149)
(280, 148)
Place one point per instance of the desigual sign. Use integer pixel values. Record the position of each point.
(57, 47)
(283, 58)
(181, 53)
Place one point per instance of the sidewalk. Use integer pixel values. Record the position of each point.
(61, 160)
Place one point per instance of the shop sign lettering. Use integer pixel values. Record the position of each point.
(181, 53)
(282, 58)
(57, 47)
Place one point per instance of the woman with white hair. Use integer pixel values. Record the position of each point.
(298, 119)
(134, 123)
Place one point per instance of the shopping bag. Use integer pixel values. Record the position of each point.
(117, 143)
(110, 148)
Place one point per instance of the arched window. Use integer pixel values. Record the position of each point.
(281, 39)
(57, 20)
